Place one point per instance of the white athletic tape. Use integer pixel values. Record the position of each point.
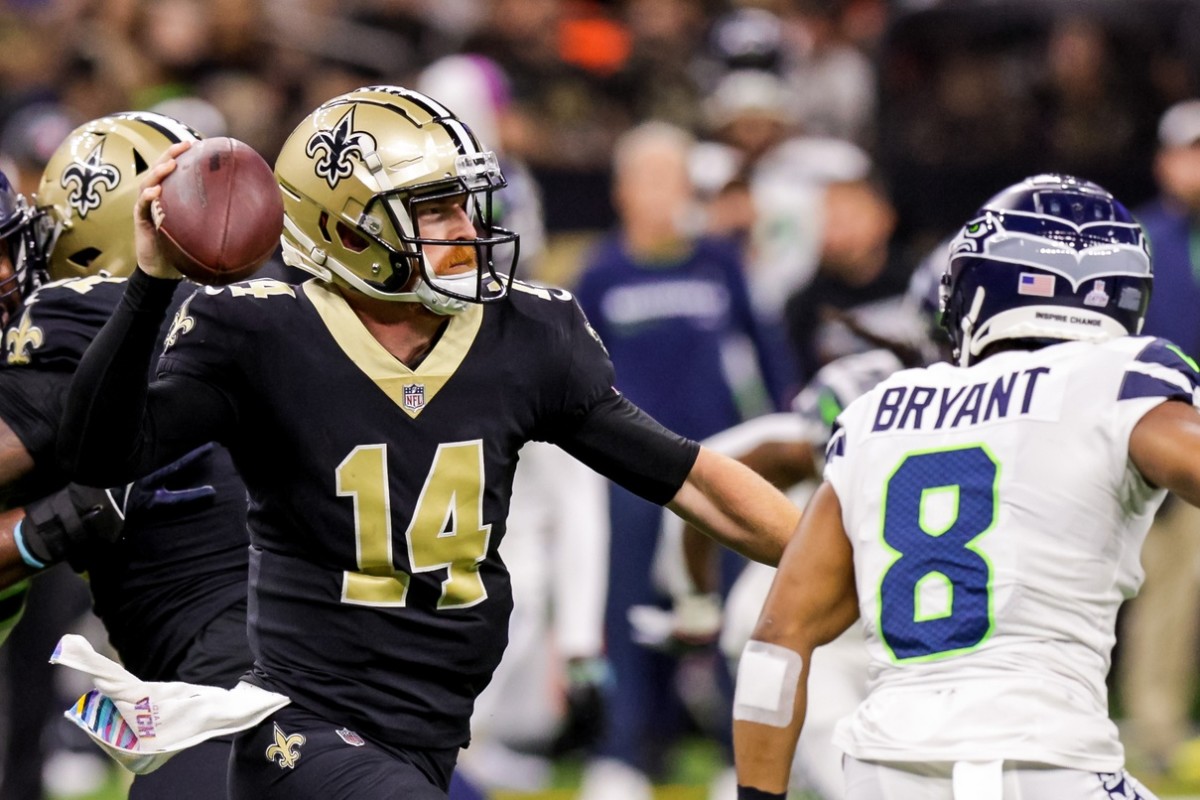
(766, 684)
(978, 780)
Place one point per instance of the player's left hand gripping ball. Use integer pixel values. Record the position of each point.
(220, 212)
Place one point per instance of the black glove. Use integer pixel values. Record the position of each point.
(585, 718)
(66, 524)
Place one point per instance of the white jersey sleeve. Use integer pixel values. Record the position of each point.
(996, 522)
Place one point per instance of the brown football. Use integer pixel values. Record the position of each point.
(220, 212)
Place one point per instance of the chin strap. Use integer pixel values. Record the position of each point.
(435, 301)
(968, 328)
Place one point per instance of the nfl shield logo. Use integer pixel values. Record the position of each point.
(414, 396)
(350, 737)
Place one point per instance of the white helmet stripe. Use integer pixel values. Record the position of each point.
(462, 137)
(168, 126)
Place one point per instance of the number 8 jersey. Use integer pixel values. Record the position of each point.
(996, 522)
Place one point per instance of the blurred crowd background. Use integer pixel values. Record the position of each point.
(826, 147)
(949, 99)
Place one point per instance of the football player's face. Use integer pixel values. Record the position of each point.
(446, 218)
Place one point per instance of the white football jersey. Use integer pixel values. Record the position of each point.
(996, 522)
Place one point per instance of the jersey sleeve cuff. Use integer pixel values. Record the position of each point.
(145, 293)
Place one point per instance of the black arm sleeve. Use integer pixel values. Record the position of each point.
(627, 446)
(117, 426)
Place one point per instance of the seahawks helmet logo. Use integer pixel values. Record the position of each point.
(83, 179)
(332, 149)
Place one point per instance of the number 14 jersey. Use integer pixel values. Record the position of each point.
(996, 522)
(379, 493)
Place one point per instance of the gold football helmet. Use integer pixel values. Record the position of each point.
(350, 174)
(90, 187)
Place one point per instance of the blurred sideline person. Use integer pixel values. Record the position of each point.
(859, 272)
(1161, 628)
(763, 178)
(379, 455)
(671, 306)
(172, 591)
(984, 520)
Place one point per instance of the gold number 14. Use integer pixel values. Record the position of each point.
(446, 530)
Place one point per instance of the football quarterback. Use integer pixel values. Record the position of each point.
(378, 440)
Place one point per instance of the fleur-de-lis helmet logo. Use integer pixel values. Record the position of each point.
(286, 750)
(83, 179)
(332, 149)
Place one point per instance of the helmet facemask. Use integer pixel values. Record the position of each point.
(478, 179)
(19, 230)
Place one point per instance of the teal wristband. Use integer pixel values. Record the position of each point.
(26, 556)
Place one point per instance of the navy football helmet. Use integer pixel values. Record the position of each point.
(18, 230)
(1052, 258)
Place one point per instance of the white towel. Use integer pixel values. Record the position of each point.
(142, 724)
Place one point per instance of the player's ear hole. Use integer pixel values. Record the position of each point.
(323, 225)
(84, 257)
(351, 240)
(139, 163)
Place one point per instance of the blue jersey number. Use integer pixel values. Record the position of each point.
(935, 599)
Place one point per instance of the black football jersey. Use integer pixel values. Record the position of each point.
(177, 567)
(378, 493)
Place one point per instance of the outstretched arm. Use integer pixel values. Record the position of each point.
(736, 507)
(775, 447)
(812, 601)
